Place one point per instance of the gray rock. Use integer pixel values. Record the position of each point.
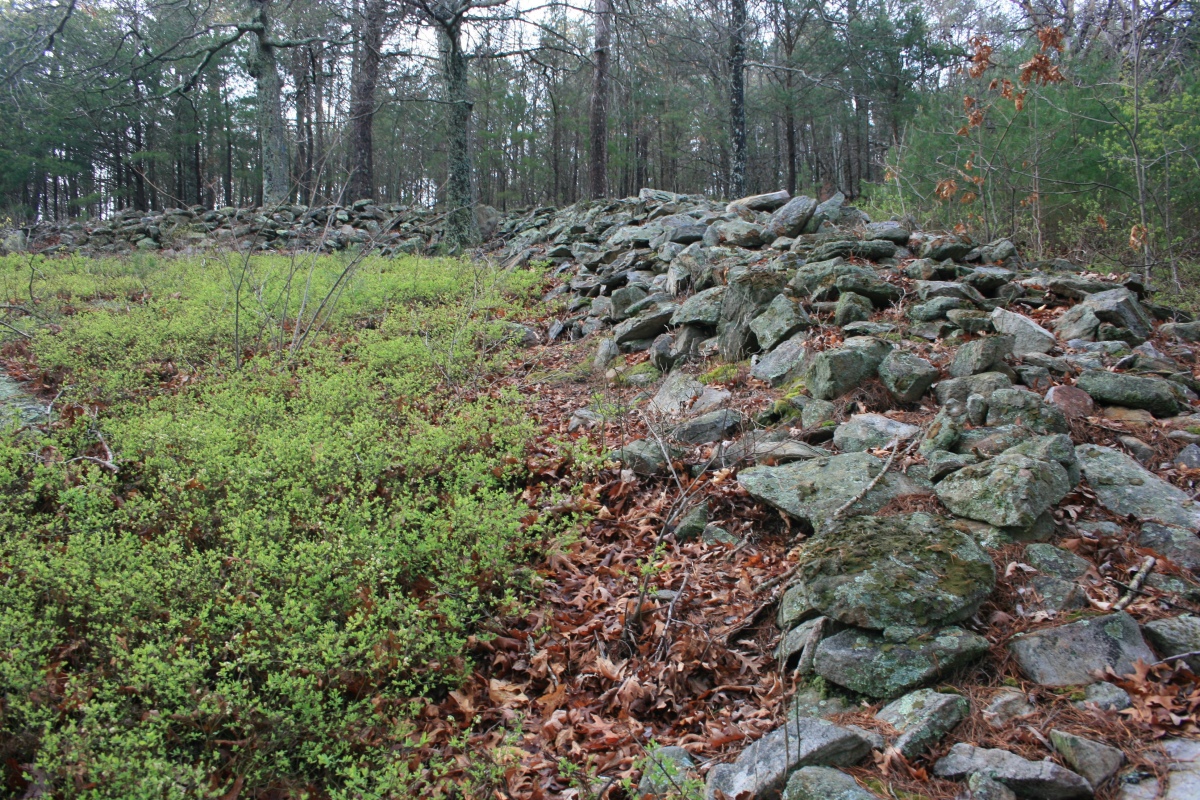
(1182, 757)
(941, 463)
(985, 384)
(869, 285)
(981, 787)
(750, 291)
(693, 523)
(892, 231)
(763, 768)
(642, 456)
(1078, 323)
(1007, 705)
(1175, 636)
(928, 290)
(906, 376)
(852, 307)
(646, 325)
(937, 308)
(981, 355)
(940, 248)
(702, 308)
(923, 718)
(870, 664)
(868, 431)
(817, 413)
(908, 570)
(1055, 447)
(1105, 696)
(733, 233)
(1187, 331)
(871, 250)
(783, 364)
(789, 220)
(1119, 389)
(833, 373)
(823, 783)
(1008, 490)
(813, 490)
(711, 427)
(1189, 456)
(606, 352)
(662, 352)
(1180, 545)
(811, 702)
(621, 301)
(666, 773)
(781, 319)
(681, 393)
(760, 202)
(1036, 779)
(828, 211)
(1027, 335)
(1019, 407)
(1096, 762)
(1078, 653)
(1120, 307)
(1124, 487)
(1050, 560)
(971, 320)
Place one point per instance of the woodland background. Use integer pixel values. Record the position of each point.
(1071, 126)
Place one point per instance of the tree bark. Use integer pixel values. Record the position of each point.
(737, 98)
(272, 132)
(598, 124)
(361, 183)
(461, 230)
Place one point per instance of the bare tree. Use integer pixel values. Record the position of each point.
(598, 124)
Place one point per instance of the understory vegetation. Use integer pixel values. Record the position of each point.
(228, 568)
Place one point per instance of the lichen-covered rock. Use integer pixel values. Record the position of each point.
(906, 376)
(1043, 780)
(1119, 389)
(871, 250)
(711, 427)
(642, 456)
(1019, 407)
(1096, 762)
(868, 431)
(783, 364)
(790, 219)
(823, 783)
(911, 570)
(852, 307)
(647, 324)
(1008, 490)
(1180, 545)
(939, 248)
(870, 664)
(762, 769)
(702, 308)
(1174, 636)
(751, 289)
(1027, 335)
(833, 373)
(923, 718)
(813, 490)
(781, 319)
(1078, 653)
(1124, 487)
(981, 355)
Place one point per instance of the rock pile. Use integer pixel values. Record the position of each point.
(982, 371)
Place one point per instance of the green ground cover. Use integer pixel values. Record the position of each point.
(246, 542)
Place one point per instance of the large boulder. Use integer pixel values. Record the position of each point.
(906, 376)
(1079, 652)
(1026, 409)
(702, 308)
(1009, 490)
(760, 202)
(981, 355)
(762, 769)
(823, 783)
(782, 318)
(814, 490)
(910, 570)
(1119, 389)
(647, 324)
(923, 718)
(783, 364)
(868, 431)
(1124, 487)
(1027, 335)
(833, 373)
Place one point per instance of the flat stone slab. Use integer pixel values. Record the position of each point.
(763, 768)
(1043, 780)
(814, 490)
(1078, 653)
(868, 663)
(1124, 487)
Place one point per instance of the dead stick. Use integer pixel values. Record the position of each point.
(1189, 654)
(1135, 584)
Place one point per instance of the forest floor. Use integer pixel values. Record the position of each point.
(246, 556)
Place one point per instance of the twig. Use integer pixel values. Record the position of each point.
(1135, 584)
(1156, 597)
(662, 640)
(837, 515)
(778, 579)
(17, 331)
(1177, 656)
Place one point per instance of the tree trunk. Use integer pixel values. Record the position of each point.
(598, 125)
(737, 98)
(361, 184)
(272, 132)
(461, 230)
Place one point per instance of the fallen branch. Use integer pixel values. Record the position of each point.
(1177, 656)
(1135, 584)
(887, 465)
